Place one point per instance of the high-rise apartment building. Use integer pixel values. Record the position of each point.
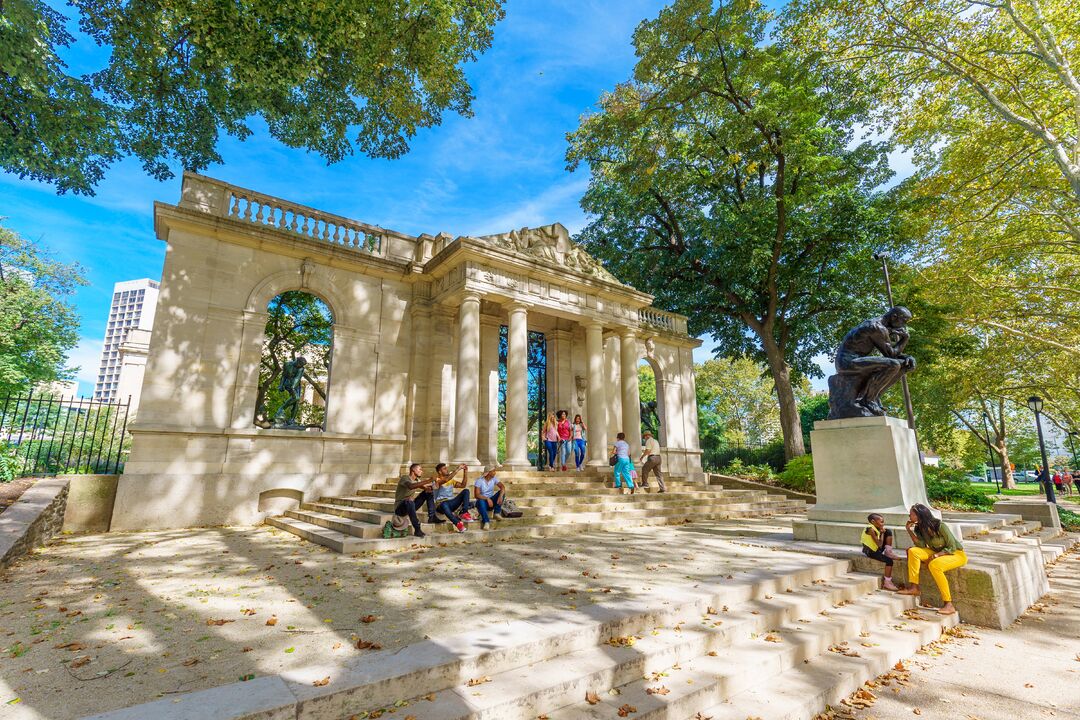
(133, 305)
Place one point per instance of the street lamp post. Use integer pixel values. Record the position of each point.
(1036, 404)
(990, 455)
(884, 259)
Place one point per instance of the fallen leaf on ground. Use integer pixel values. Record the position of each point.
(591, 697)
(72, 646)
(272, 620)
(662, 690)
(190, 661)
(321, 683)
(79, 662)
(367, 645)
(219, 622)
(368, 619)
(627, 710)
(478, 681)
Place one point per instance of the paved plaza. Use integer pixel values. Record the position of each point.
(145, 608)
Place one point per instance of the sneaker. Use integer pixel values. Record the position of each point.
(420, 534)
(460, 527)
(486, 526)
(467, 516)
(564, 468)
(433, 520)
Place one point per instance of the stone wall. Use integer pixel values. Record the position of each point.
(33, 519)
(89, 503)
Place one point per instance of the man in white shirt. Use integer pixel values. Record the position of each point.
(650, 456)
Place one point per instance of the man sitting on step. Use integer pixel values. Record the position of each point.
(405, 504)
(446, 502)
(489, 497)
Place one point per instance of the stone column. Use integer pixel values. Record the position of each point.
(488, 445)
(597, 400)
(631, 400)
(468, 381)
(517, 389)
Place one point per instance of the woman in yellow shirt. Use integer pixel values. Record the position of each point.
(935, 545)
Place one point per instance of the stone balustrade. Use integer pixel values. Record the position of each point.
(253, 207)
(229, 201)
(661, 320)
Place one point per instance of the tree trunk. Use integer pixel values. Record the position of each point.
(1008, 482)
(789, 408)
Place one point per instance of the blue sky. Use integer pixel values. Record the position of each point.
(499, 170)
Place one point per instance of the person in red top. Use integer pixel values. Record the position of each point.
(566, 433)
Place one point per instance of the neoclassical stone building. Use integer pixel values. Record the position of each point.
(415, 356)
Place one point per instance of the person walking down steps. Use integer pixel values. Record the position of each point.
(936, 546)
(650, 457)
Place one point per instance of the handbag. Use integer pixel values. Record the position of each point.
(613, 460)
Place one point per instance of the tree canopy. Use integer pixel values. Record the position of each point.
(324, 75)
(728, 182)
(38, 324)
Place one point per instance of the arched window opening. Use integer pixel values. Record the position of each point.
(295, 370)
(652, 401)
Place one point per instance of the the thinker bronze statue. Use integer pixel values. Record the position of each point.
(861, 376)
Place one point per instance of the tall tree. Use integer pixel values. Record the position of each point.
(323, 75)
(38, 325)
(952, 71)
(726, 180)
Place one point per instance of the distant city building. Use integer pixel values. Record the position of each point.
(133, 305)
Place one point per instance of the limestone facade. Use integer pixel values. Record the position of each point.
(415, 360)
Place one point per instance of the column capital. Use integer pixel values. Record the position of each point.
(628, 333)
(470, 296)
(591, 324)
(517, 306)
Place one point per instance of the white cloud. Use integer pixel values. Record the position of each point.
(86, 356)
(552, 205)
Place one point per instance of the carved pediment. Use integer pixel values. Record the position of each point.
(551, 244)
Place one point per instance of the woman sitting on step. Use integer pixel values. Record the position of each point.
(935, 545)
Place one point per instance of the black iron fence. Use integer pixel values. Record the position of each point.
(47, 435)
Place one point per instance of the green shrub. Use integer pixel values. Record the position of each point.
(950, 486)
(761, 473)
(1070, 521)
(9, 464)
(798, 474)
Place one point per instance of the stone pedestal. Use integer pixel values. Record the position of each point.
(862, 465)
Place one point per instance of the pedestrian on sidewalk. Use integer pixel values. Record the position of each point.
(935, 545)
(623, 463)
(580, 430)
(650, 456)
(877, 544)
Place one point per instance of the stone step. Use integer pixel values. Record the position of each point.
(591, 491)
(696, 679)
(502, 530)
(333, 539)
(377, 680)
(803, 690)
(383, 510)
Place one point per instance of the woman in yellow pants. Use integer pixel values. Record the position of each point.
(935, 545)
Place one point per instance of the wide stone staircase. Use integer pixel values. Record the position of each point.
(777, 643)
(552, 503)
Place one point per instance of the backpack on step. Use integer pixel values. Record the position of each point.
(510, 509)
